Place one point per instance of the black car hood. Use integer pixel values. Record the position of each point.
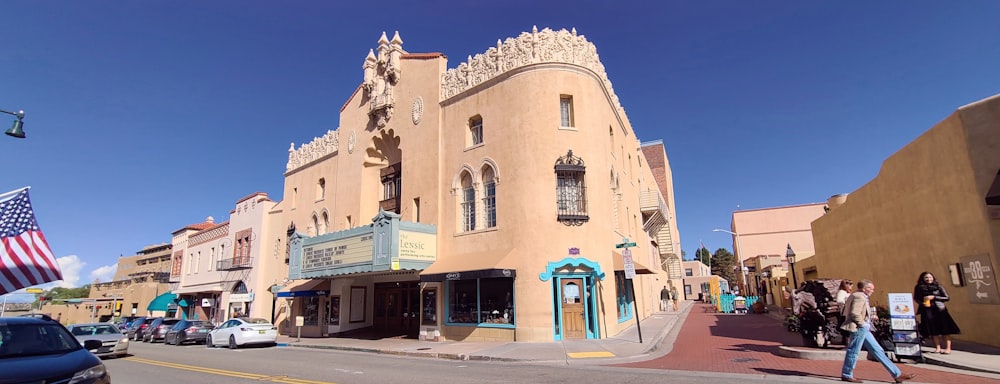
(54, 368)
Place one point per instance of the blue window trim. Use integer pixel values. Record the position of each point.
(447, 310)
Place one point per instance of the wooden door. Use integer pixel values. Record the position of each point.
(574, 319)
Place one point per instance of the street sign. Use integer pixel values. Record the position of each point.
(34, 290)
(625, 244)
(629, 264)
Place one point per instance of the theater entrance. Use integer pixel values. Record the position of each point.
(397, 309)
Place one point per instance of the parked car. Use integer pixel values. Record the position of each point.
(113, 342)
(188, 330)
(243, 331)
(133, 326)
(138, 327)
(158, 329)
(40, 350)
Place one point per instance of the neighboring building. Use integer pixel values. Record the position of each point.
(697, 280)
(135, 290)
(934, 206)
(668, 238)
(488, 206)
(224, 270)
(764, 235)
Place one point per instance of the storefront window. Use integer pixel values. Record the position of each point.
(310, 310)
(481, 301)
(333, 310)
(429, 307)
(624, 298)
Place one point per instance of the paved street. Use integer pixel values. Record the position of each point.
(748, 344)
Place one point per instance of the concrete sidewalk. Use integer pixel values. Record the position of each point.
(658, 334)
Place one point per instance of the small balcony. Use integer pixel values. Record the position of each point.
(234, 264)
(390, 205)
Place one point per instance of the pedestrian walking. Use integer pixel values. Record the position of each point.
(664, 299)
(675, 297)
(934, 318)
(859, 324)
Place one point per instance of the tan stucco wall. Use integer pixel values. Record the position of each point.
(923, 212)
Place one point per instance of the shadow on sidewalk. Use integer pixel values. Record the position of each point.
(755, 327)
(785, 372)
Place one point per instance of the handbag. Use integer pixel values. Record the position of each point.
(938, 305)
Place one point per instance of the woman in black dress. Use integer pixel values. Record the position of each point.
(934, 318)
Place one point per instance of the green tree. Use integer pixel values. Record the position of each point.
(60, 293)
(724, 264)
(704, 256)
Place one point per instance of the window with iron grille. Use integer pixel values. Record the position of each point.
(490, 198)
(571, 191)
(468, 204)
(476, 130)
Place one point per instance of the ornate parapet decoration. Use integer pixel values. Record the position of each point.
(319, 147)
(545, 46)
(381, 74)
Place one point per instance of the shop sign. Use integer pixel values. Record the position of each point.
(241, 297)
(417, 246)
(981, 279)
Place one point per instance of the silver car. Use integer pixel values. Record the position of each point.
(113, 342)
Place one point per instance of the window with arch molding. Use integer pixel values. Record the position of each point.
(324, 224)
(490, 196)
(468, 205)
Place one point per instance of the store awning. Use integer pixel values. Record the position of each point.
(639, 268)
(471, 266)
(313, 287)
(162, 302)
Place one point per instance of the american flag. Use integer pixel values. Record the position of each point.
(25, 258)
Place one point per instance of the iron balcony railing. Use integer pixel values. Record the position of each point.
(234, 264)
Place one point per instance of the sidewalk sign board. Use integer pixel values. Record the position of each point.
(903, 322)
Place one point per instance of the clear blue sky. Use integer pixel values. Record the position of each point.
(145, 116)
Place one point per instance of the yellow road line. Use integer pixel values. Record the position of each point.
(222, 372)
(584, 355)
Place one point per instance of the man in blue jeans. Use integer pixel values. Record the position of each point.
(857, 322)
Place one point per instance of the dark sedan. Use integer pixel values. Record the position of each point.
(157, 330)
(188, 330)
(40, 350)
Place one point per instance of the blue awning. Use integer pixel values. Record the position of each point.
(162, 302)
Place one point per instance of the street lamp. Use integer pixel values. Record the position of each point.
(738, 256)
(790, 255)
(17, 130)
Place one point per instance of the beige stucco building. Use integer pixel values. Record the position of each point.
(764, 235)
(481, 202)
(223, 270)
(934, 206)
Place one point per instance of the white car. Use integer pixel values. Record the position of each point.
(242, 331)
(113, 342)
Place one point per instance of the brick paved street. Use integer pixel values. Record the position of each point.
(713, 342)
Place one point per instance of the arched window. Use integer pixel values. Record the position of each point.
(313, 226)
(321, 189)
(490, 196)
(468, 203)
(324, 224)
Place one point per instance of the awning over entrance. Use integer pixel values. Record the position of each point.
(162, 302)
(471, 266)
(314, 287)
(639, 268)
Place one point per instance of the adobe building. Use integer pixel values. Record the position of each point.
(934, 206)
(137, 289)
(502, 199)
(764, 236)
